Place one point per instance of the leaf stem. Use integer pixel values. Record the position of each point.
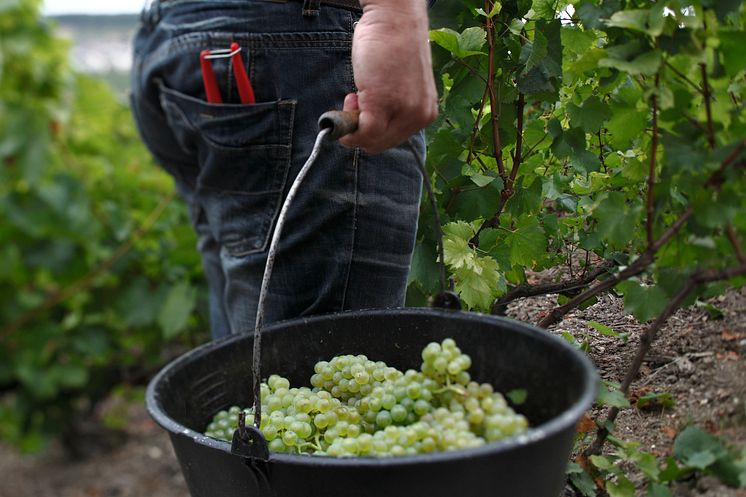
(733, 238)
(684, 77)
(525, 290)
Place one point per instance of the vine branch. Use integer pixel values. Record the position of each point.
(525, 290)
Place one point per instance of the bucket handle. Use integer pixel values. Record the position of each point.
(250, 442)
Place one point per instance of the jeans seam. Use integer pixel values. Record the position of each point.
(356, 168)
(267, 225)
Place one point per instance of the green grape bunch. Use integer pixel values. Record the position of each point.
(364, 408)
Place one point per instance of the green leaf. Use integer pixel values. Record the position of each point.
(532, 54)
(605, 330)
(617, 219)
(138, 304)
(712, 311)
(672, 471)
(546, 69)
(424, 268)
(544, 9)
(655, 400)
(635, 19)
(479, 283)
(528, 242)
(697, 448)
(622, 487)
(590, 116)
(646, 64)
(658, 490)
(461, 45)
(578, 41)
(517, 396)
(731, 49)
(473, 203)
(647, 463)
(581, 480)
(457, 253)
(611, 397)
(478, 178)
(177, 308)
(625, 124)
(649, 21)
(593, 16)
(603, 463)
(526, 199)
(496, 8)
(644, 302)
(71, 375)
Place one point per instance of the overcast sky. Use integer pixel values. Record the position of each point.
(55, 7)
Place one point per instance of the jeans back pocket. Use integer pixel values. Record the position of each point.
(244, 153)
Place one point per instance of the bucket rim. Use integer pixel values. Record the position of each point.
(548, 429)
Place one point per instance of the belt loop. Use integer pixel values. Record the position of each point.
(311, 8)
(151, 13)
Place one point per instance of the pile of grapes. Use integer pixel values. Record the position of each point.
(359, 407)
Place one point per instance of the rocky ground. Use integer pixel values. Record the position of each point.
(698, 358)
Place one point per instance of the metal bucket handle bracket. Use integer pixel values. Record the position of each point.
(249, 441)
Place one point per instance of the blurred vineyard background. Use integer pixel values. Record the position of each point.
(99, 281)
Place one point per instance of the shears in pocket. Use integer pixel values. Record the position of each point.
(245, 90)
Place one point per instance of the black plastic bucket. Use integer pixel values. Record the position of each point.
(559, 380)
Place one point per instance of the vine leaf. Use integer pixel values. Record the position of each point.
(532, 54)
(650, 21)
(543, 9)
(590, 116)
(643, 302)
(543, 59)
(731, 48)
(528, 242)
(461, 45)
(478, 279)
(616, 219)
(177, 308)
(646, 64)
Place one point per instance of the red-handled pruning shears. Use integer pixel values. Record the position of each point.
(245, 90)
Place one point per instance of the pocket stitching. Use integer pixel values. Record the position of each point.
(270, 220)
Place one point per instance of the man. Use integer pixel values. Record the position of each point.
(349, 235)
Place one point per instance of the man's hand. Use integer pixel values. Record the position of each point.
(393, 73)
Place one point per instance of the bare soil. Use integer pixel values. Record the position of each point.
(697, 358)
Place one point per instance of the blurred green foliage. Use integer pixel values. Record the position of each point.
(99, 270)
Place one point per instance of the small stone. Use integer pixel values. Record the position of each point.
(155, 452)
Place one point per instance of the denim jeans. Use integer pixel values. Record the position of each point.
(349, 236)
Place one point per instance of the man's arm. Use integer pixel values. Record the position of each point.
(393, 73)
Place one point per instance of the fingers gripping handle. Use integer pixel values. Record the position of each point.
(339, 123)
